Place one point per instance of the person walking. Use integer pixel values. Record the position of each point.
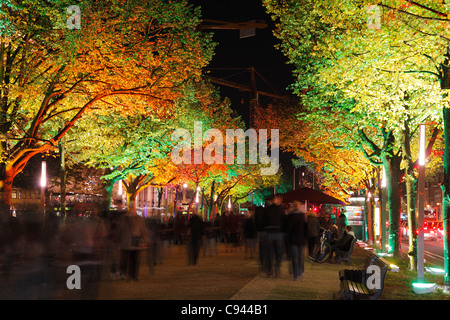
(273, 223)
(296, 234)
(133, 239)
(313, 225)
(260, 234)
(195, 234)
(179, 228)
(249, 233)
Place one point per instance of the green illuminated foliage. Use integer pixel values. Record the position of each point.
(379, 83)
(51, 74)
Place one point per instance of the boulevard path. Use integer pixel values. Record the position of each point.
(226, 275)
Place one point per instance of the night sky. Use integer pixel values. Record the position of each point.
(257, 51)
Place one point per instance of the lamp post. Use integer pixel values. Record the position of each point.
(185, 185)
(383, 211)
(43, 184)
(420, 205)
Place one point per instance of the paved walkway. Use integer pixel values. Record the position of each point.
(226, 275)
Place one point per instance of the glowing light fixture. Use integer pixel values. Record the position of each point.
(437, 271)
(43, 174)
(423, 287)
(422, 145)
(394, 268)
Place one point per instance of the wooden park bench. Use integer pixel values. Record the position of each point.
(359, 290)
(358, 274)
(344, 255)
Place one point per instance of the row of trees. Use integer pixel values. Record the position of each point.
(110, 94)
(367, 77)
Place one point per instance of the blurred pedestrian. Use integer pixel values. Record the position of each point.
(234, 229)
(113, 246)
(313, 233)
(209, 239)
(179, 227)
(224, 228)
(195, 234)
(250, 234)
(133, 239)
(260, 234)
(273, 223)
(296, 233)
(341, 222)
(153, 243)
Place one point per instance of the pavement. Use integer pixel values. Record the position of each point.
(226, 274)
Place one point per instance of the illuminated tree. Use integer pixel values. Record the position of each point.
(341, 60)
(49, 71)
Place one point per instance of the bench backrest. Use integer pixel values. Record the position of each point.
(383, 264)
(371, 255)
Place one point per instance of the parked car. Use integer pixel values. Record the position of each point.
(429, 233)
(438, 229)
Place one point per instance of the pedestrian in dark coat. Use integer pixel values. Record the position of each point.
(313, 224)
(134, 238)
(195, 235)
(273, 227)
(296, 233)
(261, 236)
(250, 235)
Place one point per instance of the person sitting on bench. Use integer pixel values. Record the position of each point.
(344, 243)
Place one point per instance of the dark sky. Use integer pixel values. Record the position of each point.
(257, 51)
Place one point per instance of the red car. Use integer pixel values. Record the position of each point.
(429, 232)
(439, 229)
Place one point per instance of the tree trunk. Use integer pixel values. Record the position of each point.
(62, 177)
(410, 184)
(394, 201)
(369, 219)
(445, 85)
(109, 185)
(5, 196)
(131, 199)
(446, 197)
(211, 200)
(6, 184)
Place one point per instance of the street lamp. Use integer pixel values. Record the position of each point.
(383, 211)
(43, 184)
(420, 211)
(420, 286)
(43, 174)
(185, 185)
(119, 191)
(197, 199)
